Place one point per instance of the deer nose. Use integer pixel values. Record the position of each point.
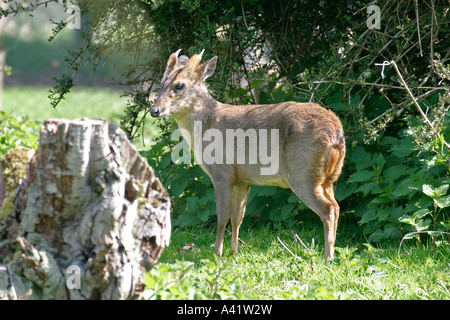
(154, 112)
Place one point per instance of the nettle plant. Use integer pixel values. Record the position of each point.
(403, 187)
(17, 132)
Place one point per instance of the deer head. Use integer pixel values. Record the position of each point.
(183, 84)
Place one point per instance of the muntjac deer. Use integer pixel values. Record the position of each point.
(307, 143)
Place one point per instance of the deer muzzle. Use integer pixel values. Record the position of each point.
(154, 111)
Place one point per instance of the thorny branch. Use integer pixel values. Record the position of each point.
(424, 116)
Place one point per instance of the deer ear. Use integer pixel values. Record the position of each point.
(209, 68)
(171, 63)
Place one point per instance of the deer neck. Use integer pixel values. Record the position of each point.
(195, 118)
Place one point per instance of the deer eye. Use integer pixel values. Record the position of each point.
(179, 86)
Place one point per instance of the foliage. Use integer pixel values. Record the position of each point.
(172, 281)
(391, 187)
(17, 132)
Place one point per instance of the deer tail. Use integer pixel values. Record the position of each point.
(334, 158)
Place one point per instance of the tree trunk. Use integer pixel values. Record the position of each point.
(89, 220)
(2, 74)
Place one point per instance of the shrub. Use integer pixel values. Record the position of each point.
(17, 132)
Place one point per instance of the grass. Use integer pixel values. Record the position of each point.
(274, 264)
(81, 102)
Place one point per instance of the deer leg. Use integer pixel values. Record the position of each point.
(329, 193)
(223, 208)
(239, 201)
(327, 213)
(323, 203)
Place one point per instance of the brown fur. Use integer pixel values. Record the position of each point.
(311, 146)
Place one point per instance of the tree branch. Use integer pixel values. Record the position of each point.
(424, 116)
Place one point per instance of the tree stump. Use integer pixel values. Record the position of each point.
(89, 220)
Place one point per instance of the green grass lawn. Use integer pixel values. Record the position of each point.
(87, 102)
(275, 264)
(81, 102)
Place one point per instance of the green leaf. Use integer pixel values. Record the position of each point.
(415, 220)
(403, 149)
(344, 190)
(293, 198)
(442, 190)
(428, 190)
(435, 192)
(361, 176)
(337, 106)
(360, 157)
(267, 191)
(395, 172)
(423, 224)
(402, 189)
(203, 214)
(257, 205)
(367, 217)
(442, 202)
(407, 219)
(378, 161)
(436, 233)
(383, 214)
(370, 187)
(193, 203)
(286, 210)
(187, 219)
(177, 187)
(421, 213)
(275, 214)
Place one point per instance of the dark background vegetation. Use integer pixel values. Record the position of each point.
(396, 173)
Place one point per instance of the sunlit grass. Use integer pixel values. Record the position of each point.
(87, 102)
(82, 102)
(274, 264)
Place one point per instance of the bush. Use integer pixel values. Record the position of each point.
(17, 132)
(398, 191)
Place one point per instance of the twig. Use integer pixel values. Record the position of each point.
(364, 84)
(296, 257)
(431, 233)
(424, 116)
(11, 282)
(418, 27)
(432, 37)
(399, 109)
(243, 15)
(443, 285)
(300, 240)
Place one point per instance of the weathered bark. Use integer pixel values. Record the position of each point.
(90, 218)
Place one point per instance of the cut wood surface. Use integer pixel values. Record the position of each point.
(89, 219)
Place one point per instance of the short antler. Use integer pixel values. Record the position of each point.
(194, 61)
